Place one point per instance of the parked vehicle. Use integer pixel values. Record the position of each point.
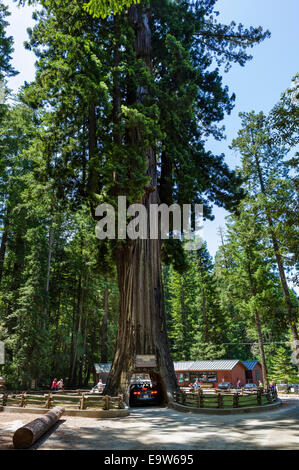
(224, 386)
(250, 388)
(145, 394)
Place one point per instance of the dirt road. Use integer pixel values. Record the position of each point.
(164, 429)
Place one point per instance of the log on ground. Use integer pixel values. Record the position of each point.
(27, 435)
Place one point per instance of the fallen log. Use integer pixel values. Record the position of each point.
(27, 435)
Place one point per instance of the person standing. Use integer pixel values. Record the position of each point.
(100, 386)
(261, 385)
(273, 388)
(54, 384)
(60, 384)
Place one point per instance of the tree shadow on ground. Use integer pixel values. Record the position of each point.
(166, 429)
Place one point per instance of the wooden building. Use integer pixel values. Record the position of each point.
(214, 372)
(254, 371)
(209, 372)
(101, 371)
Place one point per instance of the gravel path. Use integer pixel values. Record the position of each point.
(164, 429)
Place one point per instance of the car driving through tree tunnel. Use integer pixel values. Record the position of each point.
(144, 393)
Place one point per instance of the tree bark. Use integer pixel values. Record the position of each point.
(183, 319)
(104, 330)
(142, 324)
(50, 247)
(27, 435)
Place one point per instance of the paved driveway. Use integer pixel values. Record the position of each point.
(164, 429)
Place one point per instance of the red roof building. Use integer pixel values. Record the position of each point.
(214, 372)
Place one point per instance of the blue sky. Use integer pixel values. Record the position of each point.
(257, 86)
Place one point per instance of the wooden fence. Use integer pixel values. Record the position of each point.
(224, 400)
(75, 402)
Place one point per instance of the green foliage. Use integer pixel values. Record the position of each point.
(51, 294)
(281, 368)
(103, 8)
(196, 324)
(6, 46)
(284, 117)
(268, 181)
(81, 136)
(6, 49)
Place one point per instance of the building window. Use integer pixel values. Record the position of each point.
(187, 377)
(181, 378)
(257, 374)
(203, 376)
(212, 377)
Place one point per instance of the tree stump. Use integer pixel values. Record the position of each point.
(27, 435)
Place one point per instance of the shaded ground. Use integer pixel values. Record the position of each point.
(164, 429)
(9, 423)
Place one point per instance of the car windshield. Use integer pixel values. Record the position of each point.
(224, 384)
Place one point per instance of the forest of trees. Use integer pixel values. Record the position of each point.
(122, 104)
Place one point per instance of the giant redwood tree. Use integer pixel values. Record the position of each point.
(127, 102)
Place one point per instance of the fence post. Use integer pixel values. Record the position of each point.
(198, 398)
(23, 401)
(184, 398)
(219, 401)
(82, 404)
(48, 401)
(259, 397)
(236, 400)
(106, 402)
(5, 396)
(201, 403)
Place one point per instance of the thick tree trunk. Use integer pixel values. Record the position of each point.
(78, 335)
(104, 330)
(50, 247)
(69, 384)
(142, 324)
(183, 320)
(27, 435)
